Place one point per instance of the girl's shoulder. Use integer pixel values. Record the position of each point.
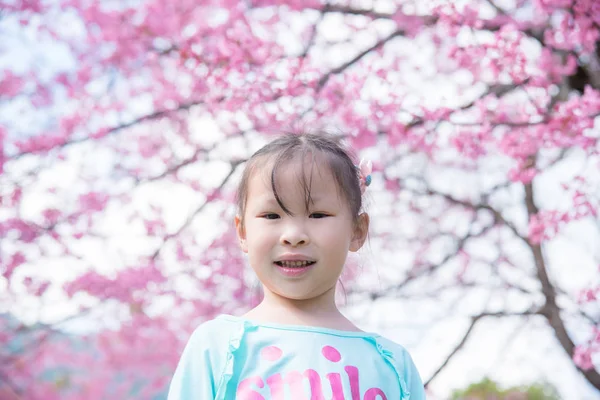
(213, 334)
(207, 329)
(392, 346)
(405, 366)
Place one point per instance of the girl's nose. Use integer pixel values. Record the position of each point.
(294, 236)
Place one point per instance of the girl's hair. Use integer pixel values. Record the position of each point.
(323, 148)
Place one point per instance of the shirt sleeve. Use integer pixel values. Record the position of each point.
(413, 379)
(194, 377)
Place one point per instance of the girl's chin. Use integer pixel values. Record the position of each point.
(295, 292)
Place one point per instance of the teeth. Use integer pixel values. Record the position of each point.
(294, 264)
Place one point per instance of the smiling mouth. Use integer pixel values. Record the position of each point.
(294, 264)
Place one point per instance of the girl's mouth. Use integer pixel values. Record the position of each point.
(294, 264)
(293, 269)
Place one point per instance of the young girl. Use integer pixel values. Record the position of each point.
(299, 213)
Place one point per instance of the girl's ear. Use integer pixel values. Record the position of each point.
(361, 229)
(241, 233)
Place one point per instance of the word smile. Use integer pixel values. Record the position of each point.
(253, 388)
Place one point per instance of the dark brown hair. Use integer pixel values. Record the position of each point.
(323, 148)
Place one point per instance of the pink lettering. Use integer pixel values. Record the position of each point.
(354, 383)
(271, 353)
(335, 381)
(295, 378)
(276, 387)
(249, 389)
(246, 392)
(331, 353)
(374, 393)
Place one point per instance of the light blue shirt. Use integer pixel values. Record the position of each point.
(234, 358)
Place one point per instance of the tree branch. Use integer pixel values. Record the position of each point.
(113, 130)
(341, 9)
(428, 269)
(496, 7)
(497, 90)
(234, 165)
(498, 217)
(11, 388)
(453, 352)
(474, 320)
(177, 167)
(550, 309)
(313, 34)
(357, 58)
(488, 25)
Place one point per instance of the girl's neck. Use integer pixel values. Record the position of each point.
(321, 311)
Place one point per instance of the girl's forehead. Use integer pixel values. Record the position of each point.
(295, 176)
(296, 171)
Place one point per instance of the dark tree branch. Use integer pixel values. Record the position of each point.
(592, 70)
(428, 20)
(474, 320)
(313, 34)
(113, 130)
(357, 58)
(428, 269)
(497, 90)
(496, 7)
(437, 291)
(550, 309)
(453, 352)
(461, 242)
(11, 388)
(174, 168)
(341, 9)
(188, 221)
(498, 217)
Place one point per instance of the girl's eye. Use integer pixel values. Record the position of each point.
(318, 215)
(270, 216)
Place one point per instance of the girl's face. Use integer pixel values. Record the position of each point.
(279, 245)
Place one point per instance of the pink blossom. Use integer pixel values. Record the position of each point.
(582, 357)
(472, 144)
(93, 201)
(15, 261)
(589, 295)
(2, 156)
(122, 287)
(154, 227)
(10, 84)
(213, 195)
(51, 215)
(25, 231)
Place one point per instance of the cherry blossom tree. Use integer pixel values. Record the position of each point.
(123, 127)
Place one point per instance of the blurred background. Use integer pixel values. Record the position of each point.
(125, 124)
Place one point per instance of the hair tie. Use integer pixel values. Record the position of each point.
(364, 170)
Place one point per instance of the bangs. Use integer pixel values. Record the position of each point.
(310, 162)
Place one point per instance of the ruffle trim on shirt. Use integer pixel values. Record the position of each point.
(388, 356)
(234, 344)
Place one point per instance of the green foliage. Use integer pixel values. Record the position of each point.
(487, 389)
